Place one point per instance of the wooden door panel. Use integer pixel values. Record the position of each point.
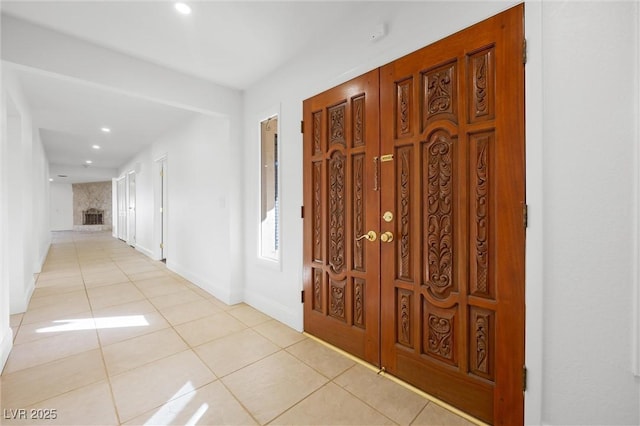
(452, 299)
(434, 143)
(341, 281)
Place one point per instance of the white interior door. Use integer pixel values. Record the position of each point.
(163, 209)
(122, 209)
(131, 234)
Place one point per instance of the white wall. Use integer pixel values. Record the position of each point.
(41, 203)
(61, 210)
(7, 113)
(24, 214)
(590, 89)
(28, 192)
(200, 210)
(582, 78)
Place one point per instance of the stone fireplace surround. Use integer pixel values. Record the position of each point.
(94, 197)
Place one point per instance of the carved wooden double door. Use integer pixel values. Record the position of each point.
(414, 218)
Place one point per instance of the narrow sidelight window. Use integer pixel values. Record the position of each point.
(269, 190)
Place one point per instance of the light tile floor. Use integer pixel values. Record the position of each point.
(112, 337)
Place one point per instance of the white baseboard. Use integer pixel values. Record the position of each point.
(6, 344)
(145, 251)
(290, 317)
(20, 304)
(43, 257)
(220, 292)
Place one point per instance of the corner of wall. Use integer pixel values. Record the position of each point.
(147, 252)
(534, 278)
(6, 344)
(635, 362)
(291, 317)
(44, 251)
(221, 292)
(19, 304)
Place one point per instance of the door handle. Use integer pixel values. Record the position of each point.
(371, 236)
(386, 237)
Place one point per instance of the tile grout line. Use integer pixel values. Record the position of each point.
(406, 385)
(33, 404)
(171, 326)
(104, 363)
(219, 379)
(332, 380)
(108, 253)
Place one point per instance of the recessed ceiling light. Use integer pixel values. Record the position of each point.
(106, 129)
(50, 179)
(96, 147)
(88, 161)
(183, 8)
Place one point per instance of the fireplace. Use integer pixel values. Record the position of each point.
(93, 217)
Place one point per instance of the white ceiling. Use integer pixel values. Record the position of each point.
(234, 43)
(71, 115)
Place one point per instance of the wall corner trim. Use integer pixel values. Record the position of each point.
(20, 303)
(6, 344)
(636, 258)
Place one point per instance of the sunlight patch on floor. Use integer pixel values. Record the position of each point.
(168, 412)
(197, 415)
(96, 323)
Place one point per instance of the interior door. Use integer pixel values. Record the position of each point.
(341, 257)
(164, 223)
(122, 208)
(453, 295)
(131, 240)
(446, 195)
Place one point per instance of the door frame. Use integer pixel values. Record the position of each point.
(131, 211)
(534, 175)
(121, 198)
(160, 172)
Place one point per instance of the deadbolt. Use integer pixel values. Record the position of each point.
(386, 237)
(387, 216)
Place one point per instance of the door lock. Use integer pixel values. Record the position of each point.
(387, 216)
(370, 236)
(386, 237)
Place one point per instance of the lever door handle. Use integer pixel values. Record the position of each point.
(371, 236)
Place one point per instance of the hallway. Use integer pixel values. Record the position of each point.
(112, 337)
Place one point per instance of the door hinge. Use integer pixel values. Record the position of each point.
(161, 210)
(524, 51)
(525, 215)
(524, 379)
(161, 245)
(162, 172)
(301, 126)
(302, 212)
(302, 296)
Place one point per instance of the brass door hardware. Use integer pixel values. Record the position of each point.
(386, 237)
(371, 236)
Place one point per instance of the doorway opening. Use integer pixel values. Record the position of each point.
(131, 212)
(161, 204)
